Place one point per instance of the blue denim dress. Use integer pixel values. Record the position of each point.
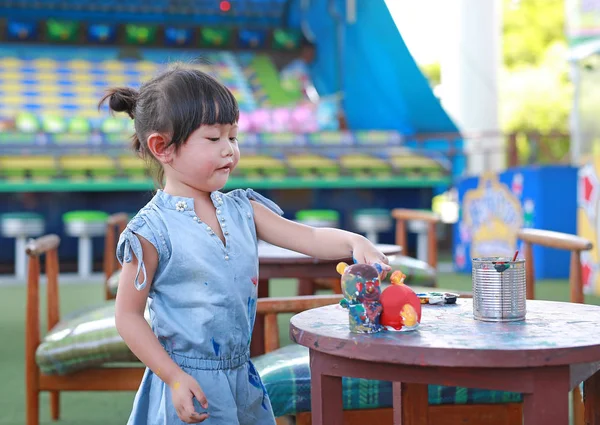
(202, 305)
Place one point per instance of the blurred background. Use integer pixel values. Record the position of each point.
(484, 113)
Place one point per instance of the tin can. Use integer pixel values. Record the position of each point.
(499, 289)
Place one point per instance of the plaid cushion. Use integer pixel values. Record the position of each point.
(286, 375)
(113, 282)
(81, 340)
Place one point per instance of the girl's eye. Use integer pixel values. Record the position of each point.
(233, 139)
(214, 139)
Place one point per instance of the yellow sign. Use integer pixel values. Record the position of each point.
(493, 215)
(588, 222)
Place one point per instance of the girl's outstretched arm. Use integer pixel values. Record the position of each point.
(324, 243)
(137, 334)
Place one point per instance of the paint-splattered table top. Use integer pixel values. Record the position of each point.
(553, 333)
(268, 253)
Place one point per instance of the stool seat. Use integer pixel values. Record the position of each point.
(372, 221)
(85, 225)
(318, 218)
(21, 225)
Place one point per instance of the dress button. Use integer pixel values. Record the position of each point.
(222, 219)
(226, 232)
(227, 257)
(195, 218)
(218, 211)
(208, 228)
(249, 215)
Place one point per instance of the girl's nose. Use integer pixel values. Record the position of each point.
(228, 151)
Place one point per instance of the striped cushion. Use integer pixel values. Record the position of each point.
(82, 340)
(286, 375)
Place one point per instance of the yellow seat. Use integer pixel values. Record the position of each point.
(411, 163)
(254, 164)
(21, 166)
(81, 77)
(133, 166)
(146, 66)
(52, 100)
(12, 75)
(44, 63)
(304, 161)
(13, 100)
(12, 62)
(47, 77)
(79, 65)
(112, 65)
(363, 162)
(80, 166)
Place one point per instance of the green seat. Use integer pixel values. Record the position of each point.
(79, 125)
(27, 123)
(319, 218)
(85, 225)
(371, 221)
(54, 124)
(21, 225)
(286, 375)
(112, 125)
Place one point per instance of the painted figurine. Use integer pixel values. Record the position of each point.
(401, 306)
(361, 289)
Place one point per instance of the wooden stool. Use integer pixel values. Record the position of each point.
(85, 225)
(402, 216)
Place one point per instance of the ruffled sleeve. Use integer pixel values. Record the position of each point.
(129, 245)
(255, 196)
(243, 197)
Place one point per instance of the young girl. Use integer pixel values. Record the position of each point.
(191, 254)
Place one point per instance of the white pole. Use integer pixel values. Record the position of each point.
(351, 11)
(469, 76)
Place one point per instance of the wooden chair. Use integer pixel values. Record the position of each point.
(576, 245)
(93, 379)
(115, 225)
(402, 216)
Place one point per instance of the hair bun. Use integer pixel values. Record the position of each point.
(122, 99)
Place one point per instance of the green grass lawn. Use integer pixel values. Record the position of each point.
(112, 407)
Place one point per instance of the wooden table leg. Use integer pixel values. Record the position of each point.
(548, 403)
(411, 403)
(591, 399)
(325, 392)
(306, 287)
(257, 345)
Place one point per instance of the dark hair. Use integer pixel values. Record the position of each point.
(175, 103)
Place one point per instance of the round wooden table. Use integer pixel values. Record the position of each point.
(277, 263)
(543, 357)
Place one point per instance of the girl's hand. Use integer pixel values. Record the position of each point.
(183, 390)
(364, 251)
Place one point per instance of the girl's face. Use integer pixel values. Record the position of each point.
(207, 158)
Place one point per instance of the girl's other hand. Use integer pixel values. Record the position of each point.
(183, 390)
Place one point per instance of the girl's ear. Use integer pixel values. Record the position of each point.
(158, 144)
